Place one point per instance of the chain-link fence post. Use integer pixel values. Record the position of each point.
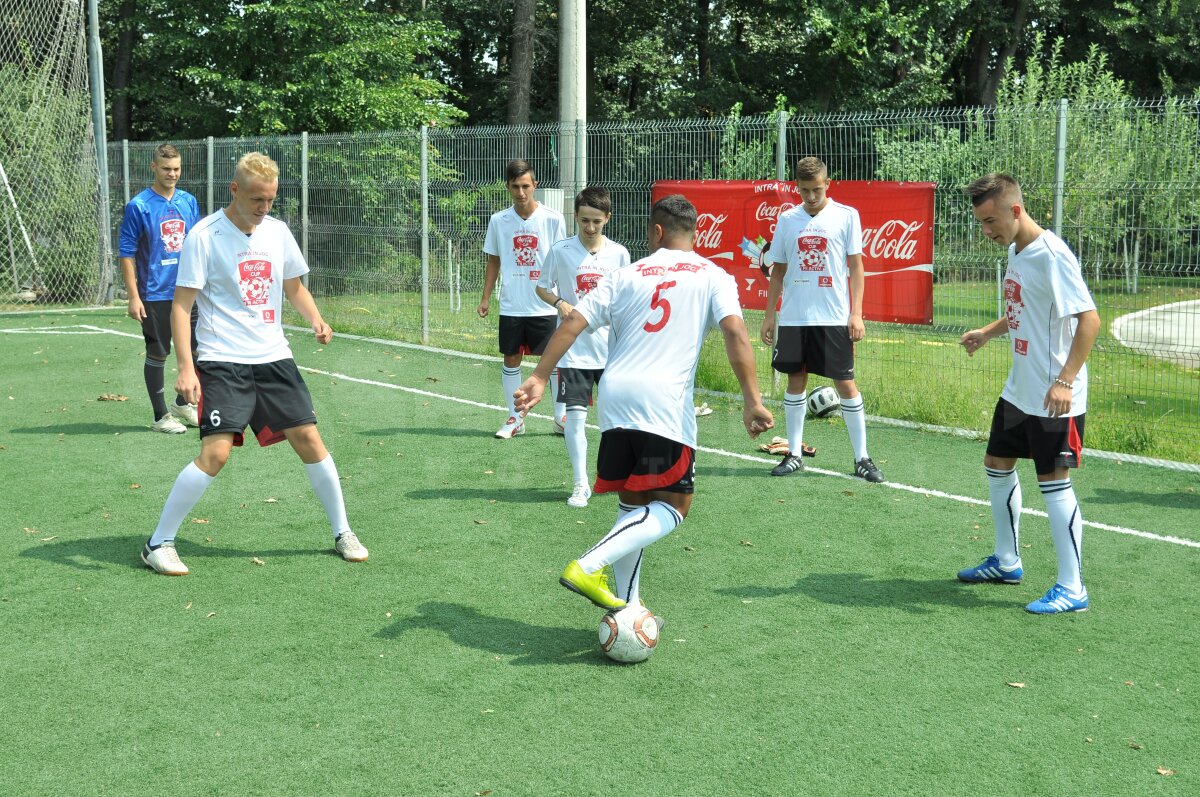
(1060, 166)
(304, 199)
(425, 234)
(208, 175)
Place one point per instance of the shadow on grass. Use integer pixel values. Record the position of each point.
(859, 590)
(99, 553)
(512, 495)
(527, 644)
(80, 428)
(426, 431)
(1174, 500)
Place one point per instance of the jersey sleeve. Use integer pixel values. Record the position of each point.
(1071, 294)
(549, 276)
(596, 307)
(854, 242)
(724, 302)
(293, 259)
(491, 241)
(131, 230)
(193, 263)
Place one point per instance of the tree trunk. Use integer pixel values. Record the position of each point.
(520, 74)
(703, 25)
(122, 62)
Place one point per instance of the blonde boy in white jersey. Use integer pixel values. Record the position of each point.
(658, 311)
(237, 265)
(817, 248)
(517, 242)
(1052, 324)
(573, 269)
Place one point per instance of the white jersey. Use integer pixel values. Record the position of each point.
(816, 290)
(659, 310)
(240, 279)
(522, 246)
(573, 272)
(1043, 291)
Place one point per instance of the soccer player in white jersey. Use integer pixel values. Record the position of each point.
(1052, 323)
(573, 269)
(517, 242)
(658, 311)
(236, 266)
(818, 248)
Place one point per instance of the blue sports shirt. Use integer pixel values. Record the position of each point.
(152, 232)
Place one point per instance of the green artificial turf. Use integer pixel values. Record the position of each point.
(818, 642)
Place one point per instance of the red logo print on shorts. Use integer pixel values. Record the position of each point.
(171, 231)
(813, 251)
(254, 278)
(525, 248)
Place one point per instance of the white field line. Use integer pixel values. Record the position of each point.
(751, 458)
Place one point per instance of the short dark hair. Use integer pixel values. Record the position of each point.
(165, 152)
(518, 168)
(594, 197)
(811, 168)
(675, 214)
(995, 185)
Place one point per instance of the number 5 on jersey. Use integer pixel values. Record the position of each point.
(659, 302)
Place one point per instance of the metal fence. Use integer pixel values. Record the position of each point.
(393, 224)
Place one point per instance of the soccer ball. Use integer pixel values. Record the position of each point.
(823, 401)
(628, 635)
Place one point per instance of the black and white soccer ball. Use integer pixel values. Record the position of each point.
(628, 635)
(823, 401)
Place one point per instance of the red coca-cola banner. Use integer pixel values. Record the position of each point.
(737, 219)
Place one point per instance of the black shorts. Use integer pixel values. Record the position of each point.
(637, 461)
(1051, 443)
(267, 397)
(575, 385)
(156, 328)
(526, 334)
(826, 351)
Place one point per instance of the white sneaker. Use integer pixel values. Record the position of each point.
(163, 559)
(580, 495)
(186, 413)
(512, 427)
(350, 548)
(169, 425)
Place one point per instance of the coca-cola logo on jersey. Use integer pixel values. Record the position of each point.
(708, 230)
(1012, 303)
(254, 278)
(893, 240)
(813, 251)
(525, 250)
(586, 283)
(171, 231)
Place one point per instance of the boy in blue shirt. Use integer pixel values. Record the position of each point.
(152, 232)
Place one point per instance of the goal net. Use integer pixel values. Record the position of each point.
(54, 247)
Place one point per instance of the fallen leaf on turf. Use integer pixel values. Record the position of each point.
(491, 500)
(1129, 683)
(135, 487)
(974, 536)
(270, 501)
(747, 543)
(199, 520)
(488, 472)
(31, 531)
(1087, 739)
(689, 548)
(211, 614)
(47, 539)
(112, 397)
(257, 561)
(208, 539)
(432, 379)
(387, 615)
(848, 492)
(481, 522)
(483, 793)
(579, 522)
(1136, 746)
(189, 605)
(1165, 772)
(1015, 684)
(1027, 545)
(976, 526)
(488, 711)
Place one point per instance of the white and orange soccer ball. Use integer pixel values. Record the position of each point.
(629, 635)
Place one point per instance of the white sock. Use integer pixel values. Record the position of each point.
(1004, 488)
(576, 437)
(510, 380)
(560, 408)
(1066, 529)
(795, 407)
(627, 577)
(632, 532)
(856, 425)
(323, 476)
(189, 486)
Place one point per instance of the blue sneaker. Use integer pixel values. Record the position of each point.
(990, 571)
(1058, 600)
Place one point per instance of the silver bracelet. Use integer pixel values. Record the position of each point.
(1064, 383)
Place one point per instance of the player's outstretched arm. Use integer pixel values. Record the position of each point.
(490, 274)
(530, 391)
(306, 306)
(187, 384)
(974, 340)
(756, 417)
